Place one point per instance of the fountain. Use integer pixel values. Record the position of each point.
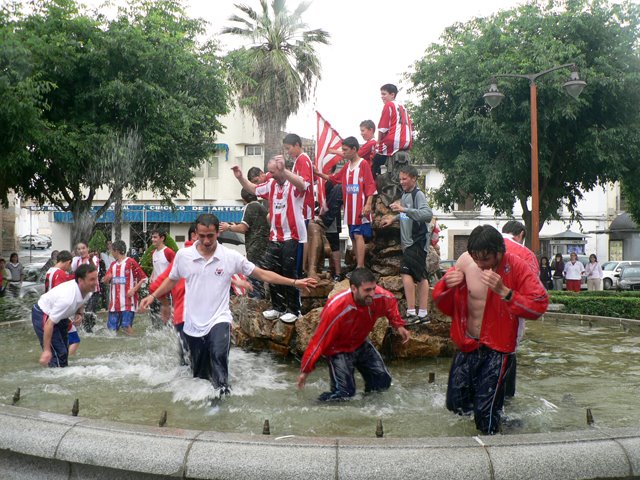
(121, 382)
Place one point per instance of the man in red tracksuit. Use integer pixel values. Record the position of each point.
(342, 337)
(478, 370)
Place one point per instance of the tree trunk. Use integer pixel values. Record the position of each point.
(272, 142)
(117, 215)
(83, 223)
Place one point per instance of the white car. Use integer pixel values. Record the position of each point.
(610, 269)
(35, 241)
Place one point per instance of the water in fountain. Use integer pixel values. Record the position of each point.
(562, 370)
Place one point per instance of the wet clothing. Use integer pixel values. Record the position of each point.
(367, 360)
(342, 337)
(257, 237)
(477, 385)
(414, 262)
(478, 372)
(210, 355)
(500, 320)
(59, 337)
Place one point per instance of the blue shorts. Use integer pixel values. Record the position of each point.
(73, 336)
(118, 320)
(364, 230)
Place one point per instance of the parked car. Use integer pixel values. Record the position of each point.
(628, 278)
(35, 241)
(33, 284)
(610, 269)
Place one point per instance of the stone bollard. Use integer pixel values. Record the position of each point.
(379, 429)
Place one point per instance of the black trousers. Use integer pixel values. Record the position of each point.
(342, 366)
(476, 384)
(281, 258)
(210, 355)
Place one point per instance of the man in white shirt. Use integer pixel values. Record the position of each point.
(207, 267)
(50, 315)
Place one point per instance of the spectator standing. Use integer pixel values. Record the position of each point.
(545, 273)
(558, 272)
(594, 273)
(573, 272)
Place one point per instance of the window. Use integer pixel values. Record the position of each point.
(207, 169)
(253, 150)
(467, 204)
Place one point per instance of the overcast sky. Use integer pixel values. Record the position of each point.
(372, 43)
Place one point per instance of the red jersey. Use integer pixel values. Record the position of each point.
(55, 276)
(285, 210)
(161, 261)
(304, 168)
(357, 185)
(499, 329)
(368, 151)
(344, 326)
(124, 276)
(77, 261)
(395, 125)
(522, 252)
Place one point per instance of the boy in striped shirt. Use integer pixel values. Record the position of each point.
(358, 188)
(126, 277)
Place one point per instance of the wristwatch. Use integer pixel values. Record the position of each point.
(508, 296)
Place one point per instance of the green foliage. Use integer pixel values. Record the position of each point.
(98, 242)
(604, 304)
(582, 143)
(278, 72)
(125, 103)
(146, 261)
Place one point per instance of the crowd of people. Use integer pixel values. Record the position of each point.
(489, 293)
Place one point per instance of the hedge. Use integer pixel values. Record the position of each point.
(599, 303)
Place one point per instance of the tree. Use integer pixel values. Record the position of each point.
(278, 72)
(582, 144)
(142, 72)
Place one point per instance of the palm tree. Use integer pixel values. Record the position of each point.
(278, 69)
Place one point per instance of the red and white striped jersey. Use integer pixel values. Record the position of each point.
(55, 276)
(357, 185)
(93, 260)
(161, 261)
(368, 151)
(395, 125)
(285, 210)
(304, 168)
(124, 276)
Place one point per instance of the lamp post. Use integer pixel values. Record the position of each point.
(493, 97)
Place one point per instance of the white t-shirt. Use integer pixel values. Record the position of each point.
(62, 301)
(573, 271)
(207, 284)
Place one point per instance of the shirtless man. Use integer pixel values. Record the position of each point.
(486, 344)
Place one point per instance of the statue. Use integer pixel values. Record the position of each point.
(388, 183)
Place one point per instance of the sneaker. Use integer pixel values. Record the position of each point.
(289, 318)
(412, 319)
(271, 314)
(424, 320)
(336, 278)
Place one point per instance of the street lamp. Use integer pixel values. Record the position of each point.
(493, 97)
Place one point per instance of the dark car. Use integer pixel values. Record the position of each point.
(629, 278)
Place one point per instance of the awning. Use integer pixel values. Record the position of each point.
(160, 214)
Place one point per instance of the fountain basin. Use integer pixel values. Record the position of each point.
(53, 446)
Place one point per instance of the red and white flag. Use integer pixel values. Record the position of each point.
(328, 138)
(237, 289)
